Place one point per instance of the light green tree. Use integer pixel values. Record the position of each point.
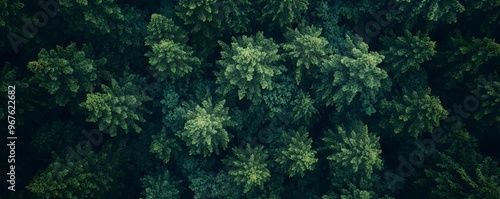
(66, 73)
(414, 112)
(249, 167)
(248, 66)
(205, 129)
(120, 105)
(296, 155)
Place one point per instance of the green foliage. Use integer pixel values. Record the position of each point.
(489, 93)
(249, 167)
(406, 53)
(66, 72)
(295, 155)
(413, 113)
(303, 108)
(345, 77)
(56, 136)
(105, 19)
(79, 176)
(120, 105)
(467, 56)
(248, 65)
(205, 129)
(306, 48)
(236, 15)
(354, 150)
(160, 185)
(452, 180)
(163, 145)
(283, 13)
(202, 15)
(10, 77)
(435, 10)
(169, 54)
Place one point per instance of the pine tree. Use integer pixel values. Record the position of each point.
(160, 185)
(414, 112)
(306, 48)
(296, 155)
(205, 129)
(66, 73)
(248, 167)
(80, 176)
(169, 56)
(406, 53)
(354, 75)
(248, 66)
(120, 105)
(283, 13)
(303, 108)
(354, 151)
(489, 93)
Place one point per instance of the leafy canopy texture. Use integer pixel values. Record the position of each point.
(406, 53)
(160, 185)
(205, 129)
(306, 48)
(354, 150)
(345, 77)
(413, 113)
(169, 56)
(119, 105)
(66, 72)
(248, 66)
(489, 93)
(77, 176)
(296, 155)
(283, 13)
(248, 167)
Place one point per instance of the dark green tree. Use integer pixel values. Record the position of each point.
(66, 73)
(354, 75)
(414, 112)
(489, 93)
(80, 176)
(296, 155)
(306, 48)
(248, 66)
(354, 151)
(466, 56)
(160, 185)
(248, 167)
(283, 13)
(304, 108)
(406, 53)
(169, 56)
(120, 105)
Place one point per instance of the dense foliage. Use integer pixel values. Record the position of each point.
(258, 99)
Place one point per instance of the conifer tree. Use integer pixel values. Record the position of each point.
(306, 48)
(283, 13)
(119, 106)
(296, 155)
(66, 73)
(414, 112)
(160, 185)
(355, 75)
(248, 167)
(248, 66)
